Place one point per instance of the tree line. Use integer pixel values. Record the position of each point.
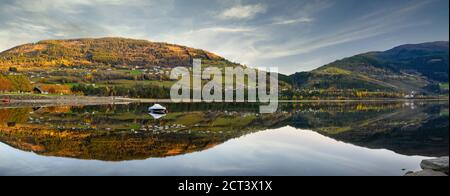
(135, 91)
(15, 83)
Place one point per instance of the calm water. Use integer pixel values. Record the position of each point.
(223, 139)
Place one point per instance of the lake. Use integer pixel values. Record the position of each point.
(317, 138)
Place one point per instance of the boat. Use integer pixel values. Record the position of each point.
(157, 109)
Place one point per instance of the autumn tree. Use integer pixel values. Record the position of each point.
(5, 84)
(20, 83)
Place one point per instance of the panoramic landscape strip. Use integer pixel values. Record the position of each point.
(205, 89)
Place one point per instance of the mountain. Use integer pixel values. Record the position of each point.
(139, 68)
(428, 59)
(413, 67)
(104, 51)
(102, 67)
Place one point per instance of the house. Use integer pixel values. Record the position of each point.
(37, 90)
(52, 89)
(412, 95)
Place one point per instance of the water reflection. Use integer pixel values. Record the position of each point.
(157, 116)
(128, 132)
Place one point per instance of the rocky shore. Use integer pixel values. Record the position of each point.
(432, 167)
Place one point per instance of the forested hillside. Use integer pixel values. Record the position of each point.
(104, 51)
(422, 68)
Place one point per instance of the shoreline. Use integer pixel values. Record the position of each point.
(25, 99)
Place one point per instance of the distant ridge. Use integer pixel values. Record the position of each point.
(412, 67)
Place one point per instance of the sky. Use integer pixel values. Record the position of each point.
(294, 35)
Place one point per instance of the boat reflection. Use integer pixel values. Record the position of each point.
(157, 116)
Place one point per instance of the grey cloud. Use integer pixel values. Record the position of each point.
(254, 32)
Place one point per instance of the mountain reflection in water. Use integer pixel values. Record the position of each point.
(128, 132)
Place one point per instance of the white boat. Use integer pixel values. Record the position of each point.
(157, 109)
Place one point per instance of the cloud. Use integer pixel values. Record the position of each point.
(234, 43)
(371, 25)
(282, 37)
(257, 34)
(280, 21)
(227, 30)
(69, 7)
(243, 12)
(25, 21)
